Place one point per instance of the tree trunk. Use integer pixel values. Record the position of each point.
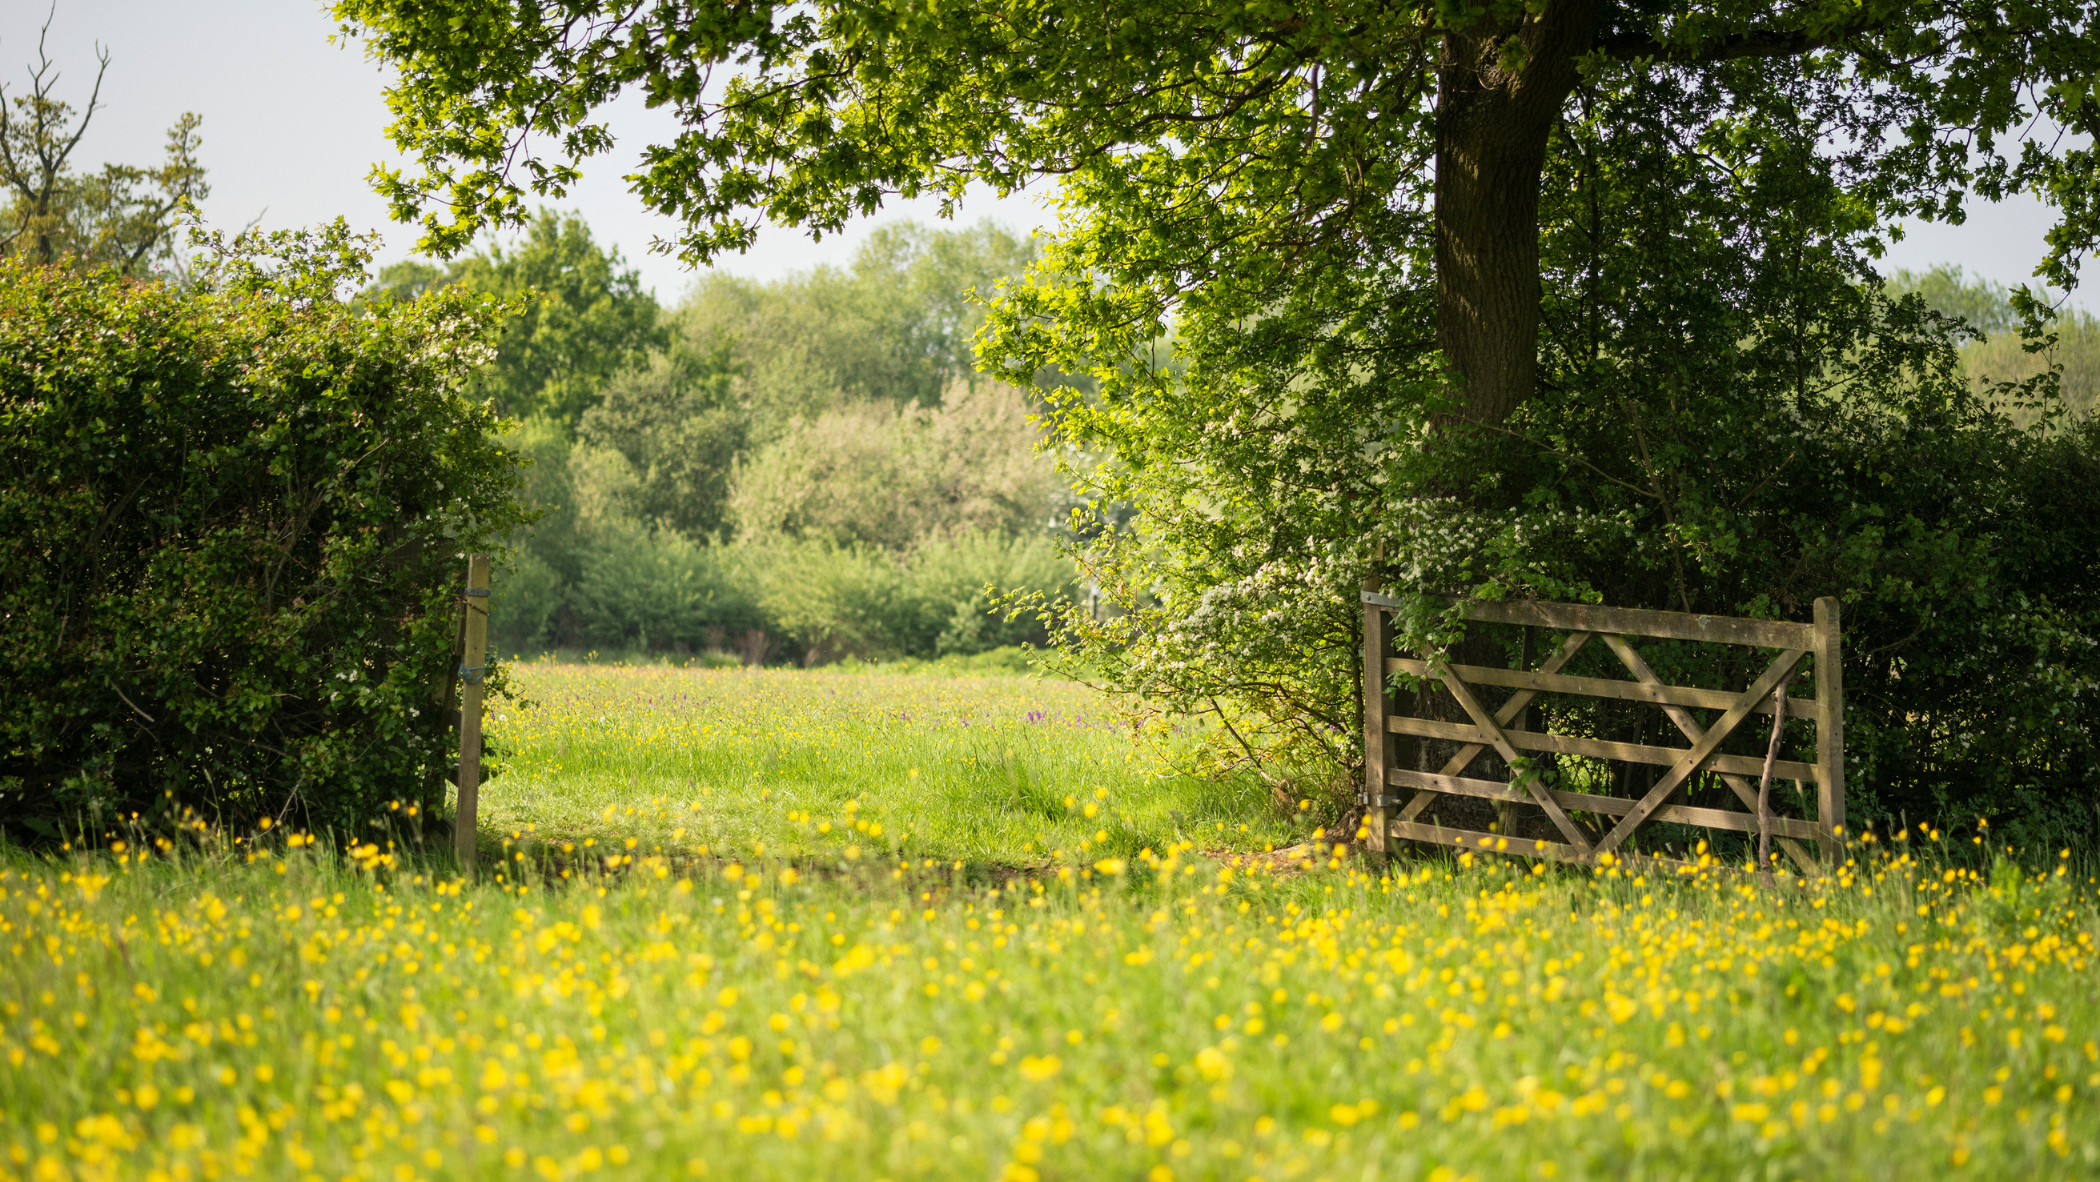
(1500, 89)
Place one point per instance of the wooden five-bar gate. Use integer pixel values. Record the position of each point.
(1503, 729)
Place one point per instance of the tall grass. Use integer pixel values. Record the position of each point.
(998, 770)
(265, 1011)
(944, 998)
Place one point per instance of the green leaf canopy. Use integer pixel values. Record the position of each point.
(1214, 143)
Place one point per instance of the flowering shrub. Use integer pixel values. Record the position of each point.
(230, 536)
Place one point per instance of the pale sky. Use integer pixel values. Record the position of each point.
(292, 124)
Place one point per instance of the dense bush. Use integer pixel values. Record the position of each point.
(779, 599)
(660, 590)
(231, 536)
(938, 599)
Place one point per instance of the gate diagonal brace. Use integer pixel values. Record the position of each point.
(1693, 732)
(1506, 715)
(1544, 799)
(1686, 764)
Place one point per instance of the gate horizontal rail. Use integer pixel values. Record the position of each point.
(1503, 730)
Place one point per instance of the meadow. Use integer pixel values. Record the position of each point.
(998, 771)
(254, 1005)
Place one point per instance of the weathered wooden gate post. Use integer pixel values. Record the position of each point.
(1377, 647)
(471, 671)
(1830, 731)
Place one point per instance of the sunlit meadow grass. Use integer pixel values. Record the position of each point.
(999, 770)
(268, 1009)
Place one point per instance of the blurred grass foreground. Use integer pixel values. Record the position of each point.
(851, 1004)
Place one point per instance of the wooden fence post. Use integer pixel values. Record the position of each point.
(1376, 739)
(473, 667)
(1830, 731)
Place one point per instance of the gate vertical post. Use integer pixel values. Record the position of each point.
(473, 667)
(1830, 730)
(1377, 643)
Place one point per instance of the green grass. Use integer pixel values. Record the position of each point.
(289, 1017)
(1002, 771)
(256, 1008)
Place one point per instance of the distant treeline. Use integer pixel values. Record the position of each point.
(803, 470)
(811, 468)
(2002, 355)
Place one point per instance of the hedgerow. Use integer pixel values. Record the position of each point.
(231, 535)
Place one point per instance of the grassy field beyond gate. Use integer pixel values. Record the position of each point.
(263, 1008)
(1002, 771)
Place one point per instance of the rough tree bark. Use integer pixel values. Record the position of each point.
(1500, 89)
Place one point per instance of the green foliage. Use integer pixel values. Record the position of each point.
(1735, 419)
(831, 601)
(894, 328)
(808, 601)
(527, 600)
(1204, 150)
(660, 590)
(747, 363)
(230, 537)
(883, 476)
(591, 572)
(580, 316)
(1727, 414)
(938, 599)
(679, 427)
(122, 216)
(806, 471)
(956, 583)
(1320, 117)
